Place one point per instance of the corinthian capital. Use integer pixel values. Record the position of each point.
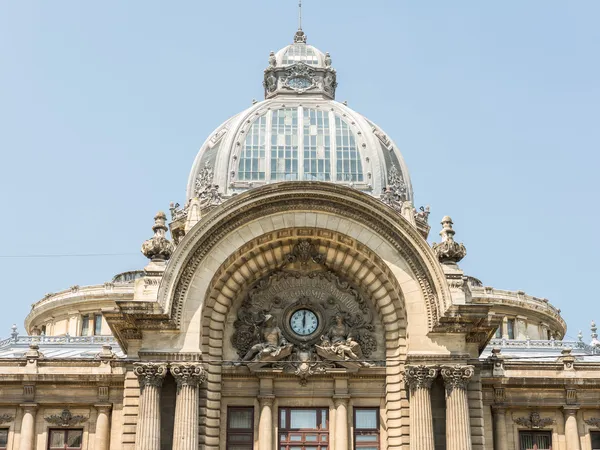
(420, 376)
(457, 377)
(150, 374)
(188, 374)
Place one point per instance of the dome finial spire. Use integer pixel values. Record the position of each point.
(300, 37)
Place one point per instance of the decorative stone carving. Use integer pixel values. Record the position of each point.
(383, 138)
(158, 248)
(272, 59)
(593, 422)
(457, 377)
(329, 82)
(188, 374)
(177, 212)
(207, 192)
(304, 252)
(300, 78)
(342, 333)
(534, 421)
(338, 344)
(65, 419)
(420, 376)
(327, 59)
(272, 346)
(6, 418)
(300, 37)
(395, 193)
(422, 215)
(150, 374)
(448, 251)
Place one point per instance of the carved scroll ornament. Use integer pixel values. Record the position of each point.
(65, 419)
(534, 421)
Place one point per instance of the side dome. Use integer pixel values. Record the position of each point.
(299, 133)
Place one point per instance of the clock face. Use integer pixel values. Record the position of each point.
(304, 322)
(299, 83)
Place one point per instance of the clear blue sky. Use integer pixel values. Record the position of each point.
(495, 106)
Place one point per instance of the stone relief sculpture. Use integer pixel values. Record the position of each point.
(339, 344)
(304, 319)
(272, 345)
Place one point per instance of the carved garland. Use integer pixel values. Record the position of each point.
(593, 422)
(288, 202)
(65, 419)
(6, 418)
(534, 421)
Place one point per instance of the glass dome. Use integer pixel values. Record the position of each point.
(299, 133)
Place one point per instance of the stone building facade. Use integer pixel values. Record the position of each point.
(297, 305)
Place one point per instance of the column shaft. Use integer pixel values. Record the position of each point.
(102, 436)
(28, 427)
(500, 437)
(265, 423)
(419, 380)
(150, 376)
(571, 430)
(341, 423)
(188, 377)
(458, 426)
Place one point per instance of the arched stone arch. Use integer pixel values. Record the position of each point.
(265, 253)
(303, 204)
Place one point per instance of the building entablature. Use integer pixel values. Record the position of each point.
(534, 318)
(60, 313)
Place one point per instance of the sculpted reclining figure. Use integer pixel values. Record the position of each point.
(271, 344)
(339, 341)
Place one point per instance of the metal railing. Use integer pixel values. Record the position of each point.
(57, 340)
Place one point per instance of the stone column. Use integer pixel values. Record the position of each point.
(500, 437)
(341, 422)
(571, 428)
(419, 380)
(458, 426)
(188, 377)
(102, 437)
(151, 377)
(28, 426)
(265, 422)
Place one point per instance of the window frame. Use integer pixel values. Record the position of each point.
(7, 429)
(65, 431)
(97, 322)
(597, 435)
(547, 433)
(319, 444)
(510, 328)
(367, 431)
(240, 431)
(85, 320)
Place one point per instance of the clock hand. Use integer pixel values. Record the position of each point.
(304, 321)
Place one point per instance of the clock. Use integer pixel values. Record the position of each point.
(304, 322)
(299, 83)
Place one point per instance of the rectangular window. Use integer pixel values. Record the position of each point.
(97, 325)
(535, 440)
(240, 428)
(498, 334)
(85, 325)
(510, 325)
(3, 438)
(303, 429)
(65, 439)
(595, 436)
(366, 428)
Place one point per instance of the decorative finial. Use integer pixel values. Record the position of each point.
(14, 333)
(300, 37)
(158, 248)
(448, 251)
(595, 342)
(580, 336)
(327, 59)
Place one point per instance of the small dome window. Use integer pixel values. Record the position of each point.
(300, 53)
(252, 158)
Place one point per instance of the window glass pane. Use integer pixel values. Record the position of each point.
(57, 438)
(74, 438)
(317, 151)
(97, 324)
(303, 419)
(284, 144)
(85, 325)
(240, 419)
(349, 165)
(3, 437)
(366, 419)
(511, 328)
(595, 440)
(252, 164)
(498, 334)
(282, 422)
